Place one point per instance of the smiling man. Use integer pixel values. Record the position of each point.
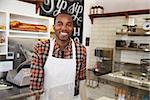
(58, 66)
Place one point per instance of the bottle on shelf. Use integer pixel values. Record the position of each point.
(123, 94)
(119, 94)
(116, 91)
(96, 9)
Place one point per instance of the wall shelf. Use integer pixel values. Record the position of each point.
(28, 34)
(2, 44)
(124, 13)
(7, 17)
(127, 63)
(131, 49)
(2, 30)
(133, 33)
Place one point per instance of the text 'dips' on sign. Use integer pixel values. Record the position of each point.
(52, 8)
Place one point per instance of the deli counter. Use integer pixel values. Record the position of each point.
(12, 92)
(132, 85)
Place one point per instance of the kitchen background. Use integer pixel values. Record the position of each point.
(104, 36)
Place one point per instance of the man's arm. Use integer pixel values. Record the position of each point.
(82, 89)
(82, 75)
(37, 71)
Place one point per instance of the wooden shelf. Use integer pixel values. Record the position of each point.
(28, 34)
(3, 53)
(2, 44)
(131, 49)
(133, 33)
(1, 30)
(124, 13)
(7, 17)
(127, 63)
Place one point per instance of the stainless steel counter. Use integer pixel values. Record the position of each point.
(117, 77)
(17, 93)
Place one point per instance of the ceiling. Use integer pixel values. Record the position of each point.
(32, 1)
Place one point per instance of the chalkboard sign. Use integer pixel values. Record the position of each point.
(52, 8)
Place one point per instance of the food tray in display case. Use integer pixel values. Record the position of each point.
(29, 26)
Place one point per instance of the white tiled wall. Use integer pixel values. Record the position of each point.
(103, 34)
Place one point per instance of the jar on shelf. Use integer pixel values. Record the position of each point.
(92, 10)
(2, 39)
(96, 9)
(100, 9)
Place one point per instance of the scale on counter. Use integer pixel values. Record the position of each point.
(21, 78)
(21, 75)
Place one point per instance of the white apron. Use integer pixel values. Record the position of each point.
(59, 77)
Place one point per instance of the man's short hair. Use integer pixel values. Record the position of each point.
(63, 12)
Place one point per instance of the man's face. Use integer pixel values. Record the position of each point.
(63, 27)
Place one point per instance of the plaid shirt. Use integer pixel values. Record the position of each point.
(41, 50)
